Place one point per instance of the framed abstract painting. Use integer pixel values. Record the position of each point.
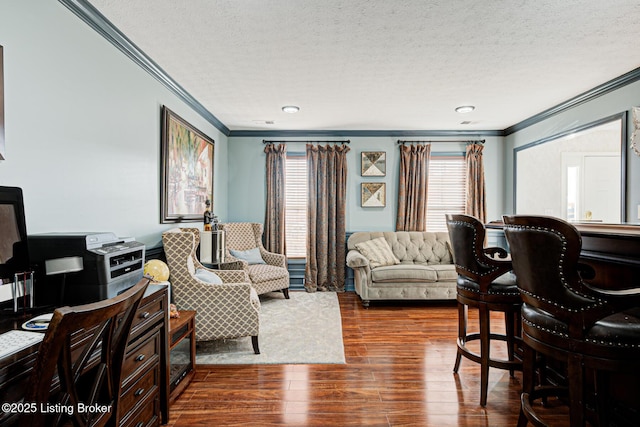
(373, 194)
(373, 163)
(187, 170)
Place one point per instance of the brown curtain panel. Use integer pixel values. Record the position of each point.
(412, 187)
(476, 203)
(274, 220)
(326, 244)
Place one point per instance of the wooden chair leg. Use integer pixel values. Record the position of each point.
(575, 375)
(485, 349)
(254, 341)
(509, 323)
(528, 374)
(462, 332)
(286, 293)
(601, 386)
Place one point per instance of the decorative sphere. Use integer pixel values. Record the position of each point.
(157, 269)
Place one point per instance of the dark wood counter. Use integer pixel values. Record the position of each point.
(612, 250)
(614, 253)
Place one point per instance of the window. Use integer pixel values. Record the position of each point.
(296, 206)
(447, 189)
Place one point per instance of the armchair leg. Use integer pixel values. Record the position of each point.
(286, 293)
(254, 341)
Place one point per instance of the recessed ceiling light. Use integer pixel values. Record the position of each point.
(465, 109)
(290, 109)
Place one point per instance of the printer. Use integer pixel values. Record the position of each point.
(83, 267)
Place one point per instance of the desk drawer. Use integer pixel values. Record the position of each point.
(148, 313)
(146, 416)
(141, 354)
(143, 387)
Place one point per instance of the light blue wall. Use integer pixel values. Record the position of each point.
(614, 102)
(83, 127)
(247, 178)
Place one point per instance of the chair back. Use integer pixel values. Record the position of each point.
(85, 347)
(242, 236)
(545, 253)
(466, 236)
(180, 246)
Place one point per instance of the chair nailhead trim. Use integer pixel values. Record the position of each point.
(590, 340)
(616, 344)
(597, 302)
(534, 325)
(492, 292)
(478, 260)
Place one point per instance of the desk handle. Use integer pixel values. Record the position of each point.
(140, 358)
(138, 392)
(144, 315)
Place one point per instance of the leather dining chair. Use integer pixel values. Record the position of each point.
(485, 283)
(590, 331)
(83, 348)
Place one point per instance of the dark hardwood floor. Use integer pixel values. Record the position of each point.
(398, 373)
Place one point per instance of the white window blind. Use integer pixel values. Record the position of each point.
(447, 192)
(296, 206)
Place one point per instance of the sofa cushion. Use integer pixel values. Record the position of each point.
(378, 252)
(445, 272)
(404, 273)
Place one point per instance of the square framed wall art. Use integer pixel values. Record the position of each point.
(373, 194)
(373, 163)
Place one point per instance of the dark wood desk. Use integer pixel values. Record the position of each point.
(145, 388)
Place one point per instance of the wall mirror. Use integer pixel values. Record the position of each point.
(577, 175)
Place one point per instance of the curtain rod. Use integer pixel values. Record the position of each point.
(265, 141)
(479, 141)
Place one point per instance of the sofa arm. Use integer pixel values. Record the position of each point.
(355, 259)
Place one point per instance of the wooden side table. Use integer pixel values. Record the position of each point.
(182, 352)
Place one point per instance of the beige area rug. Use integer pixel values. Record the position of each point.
(305, 329)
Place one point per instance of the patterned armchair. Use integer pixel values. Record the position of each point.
(268, 277)
(227, 310)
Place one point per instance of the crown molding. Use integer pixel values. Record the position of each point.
(106, 29)
(366, 133)
(614, 84)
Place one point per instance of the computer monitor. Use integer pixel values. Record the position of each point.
(14, 254)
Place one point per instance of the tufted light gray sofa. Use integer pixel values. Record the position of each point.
(425, 271)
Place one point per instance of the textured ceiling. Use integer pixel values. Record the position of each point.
(382, 64)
